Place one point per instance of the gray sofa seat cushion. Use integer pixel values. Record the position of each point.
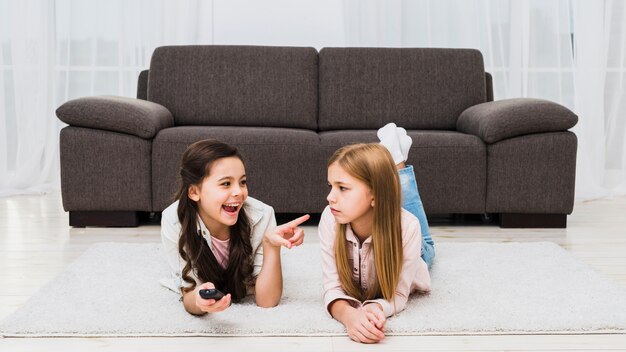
(236, 85)
(494, 121)
(283, 165)
(118, 114)
(417, 88)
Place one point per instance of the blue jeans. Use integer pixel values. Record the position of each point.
(412, 202)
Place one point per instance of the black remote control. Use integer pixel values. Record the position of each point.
(211, 293)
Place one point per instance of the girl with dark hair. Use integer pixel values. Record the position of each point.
(216, 237)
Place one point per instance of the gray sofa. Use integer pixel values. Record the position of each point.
(287, 109)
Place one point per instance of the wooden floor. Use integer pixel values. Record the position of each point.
(36, 244)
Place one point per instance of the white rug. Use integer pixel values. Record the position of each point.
(478, 288)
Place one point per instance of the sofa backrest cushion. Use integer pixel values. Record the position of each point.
(236, 85)
(417, 88)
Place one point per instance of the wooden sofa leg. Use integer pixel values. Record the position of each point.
(517, 220)
(104, 218)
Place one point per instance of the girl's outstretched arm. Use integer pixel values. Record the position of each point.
(269, 283)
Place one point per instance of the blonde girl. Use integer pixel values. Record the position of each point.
(372, 256)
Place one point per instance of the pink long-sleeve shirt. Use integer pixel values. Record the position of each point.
(413, 277)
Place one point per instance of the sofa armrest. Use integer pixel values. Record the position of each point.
(497, 120)
(142, 85)
(119, 114)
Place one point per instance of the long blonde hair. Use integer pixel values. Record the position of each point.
(373, 165)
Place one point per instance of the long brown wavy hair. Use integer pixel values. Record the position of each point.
(373, 165)
(194, 250)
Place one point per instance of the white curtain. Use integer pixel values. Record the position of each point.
(615, 95)
(56, 50)
(569, 51)
(29, 156)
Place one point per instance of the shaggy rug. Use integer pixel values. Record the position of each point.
(478, 288)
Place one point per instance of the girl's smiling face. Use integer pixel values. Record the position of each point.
(221, 195)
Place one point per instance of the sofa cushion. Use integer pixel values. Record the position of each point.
(236, 85)
(283, 165)
(117, 114)
(497, 120)
(417, 88)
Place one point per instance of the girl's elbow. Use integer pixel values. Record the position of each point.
(267, 303)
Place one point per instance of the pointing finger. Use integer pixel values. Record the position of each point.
(298, 221)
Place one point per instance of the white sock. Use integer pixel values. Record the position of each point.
(389, 138)
(405, 142)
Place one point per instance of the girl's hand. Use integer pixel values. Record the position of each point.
(376, 315)
(361, 328)
(210, 305)
(287, 235)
